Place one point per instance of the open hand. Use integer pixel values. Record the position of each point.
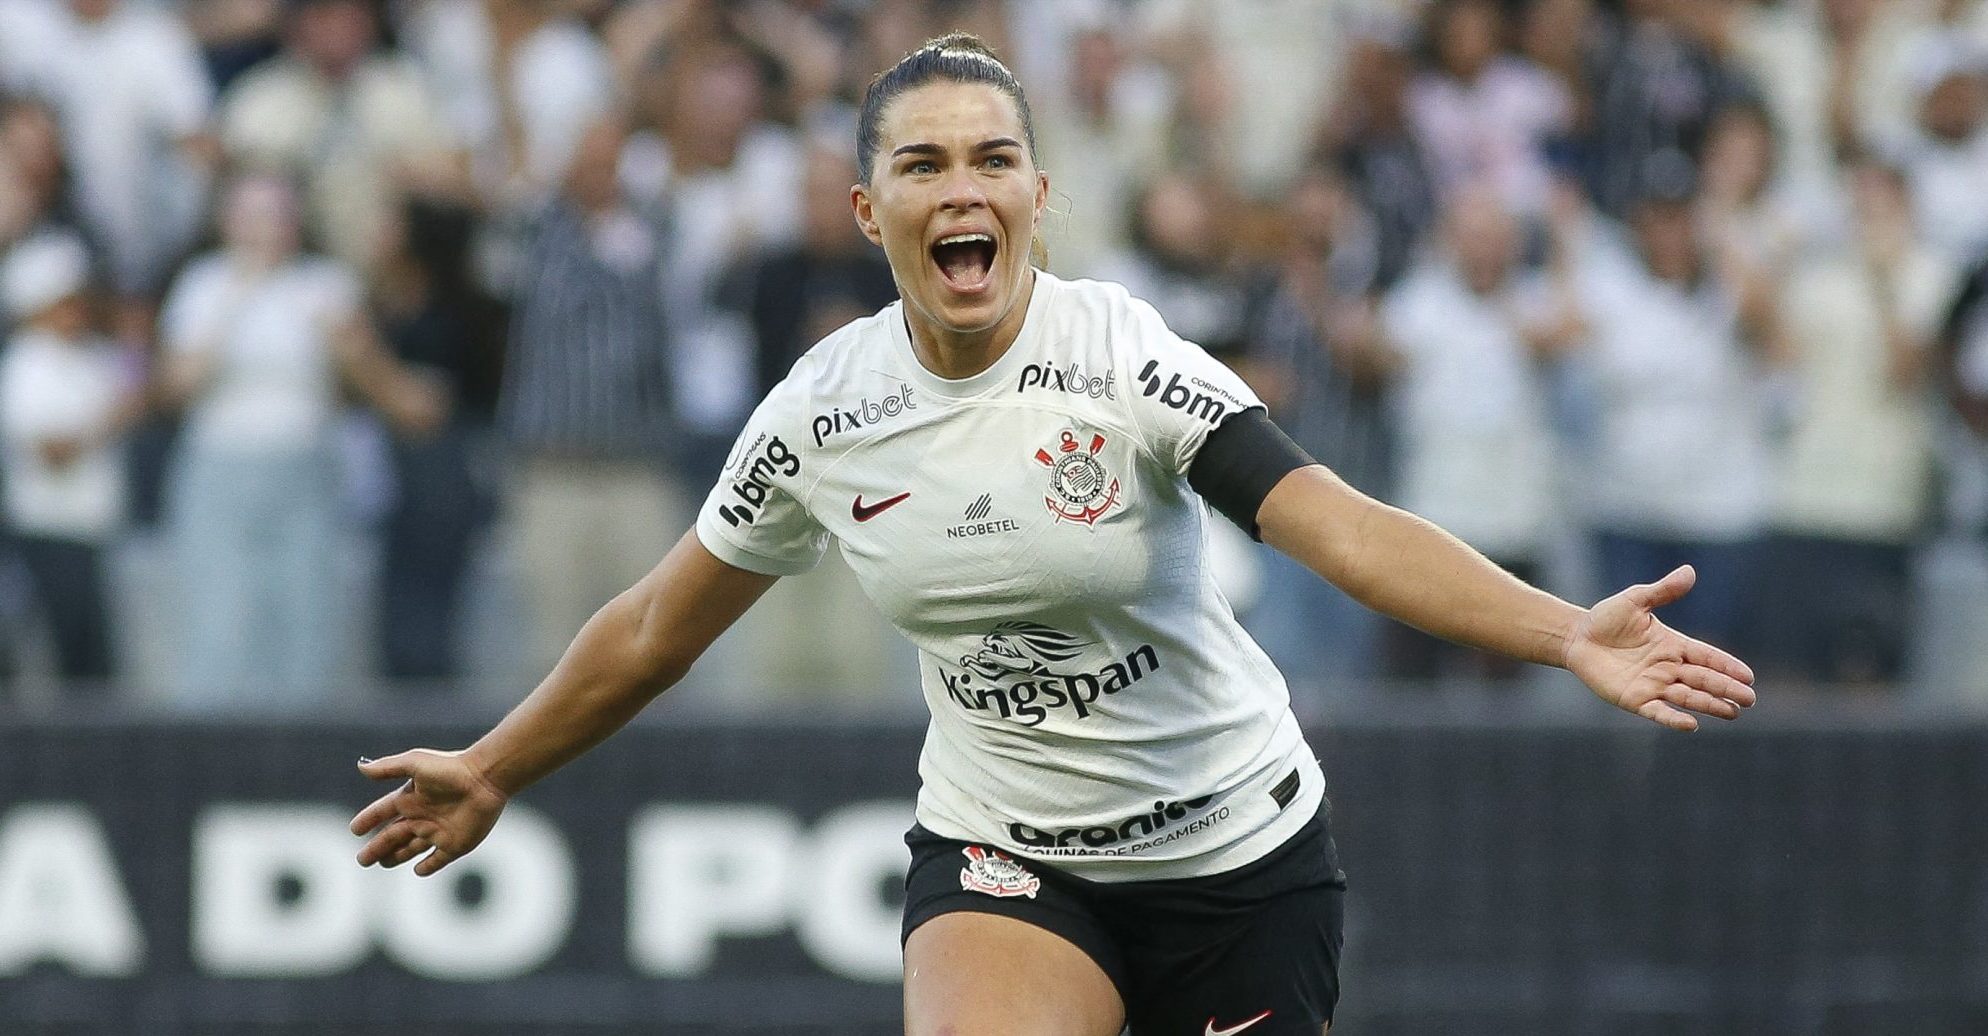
(1638, 664)
(444, 808)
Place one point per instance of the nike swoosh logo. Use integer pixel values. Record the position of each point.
(1211, 1030)
(864, 514)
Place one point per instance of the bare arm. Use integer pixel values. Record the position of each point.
(183, 376)
(631, 651)
(635, 648)
(411, 404)
(1403, 566)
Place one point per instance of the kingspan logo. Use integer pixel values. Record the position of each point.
(1012, 675)
(1133, 834)
(863, 414)
(1070, 378)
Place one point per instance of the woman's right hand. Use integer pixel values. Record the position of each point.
(444, 808)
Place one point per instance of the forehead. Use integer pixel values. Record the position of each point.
(950, 114)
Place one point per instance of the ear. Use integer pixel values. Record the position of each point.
(1041, 195)
(866, 214)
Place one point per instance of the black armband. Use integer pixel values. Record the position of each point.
(1240, 462)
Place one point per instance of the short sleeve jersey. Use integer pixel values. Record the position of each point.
(1031, 530)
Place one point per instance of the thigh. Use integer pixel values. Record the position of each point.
(969, 973)
(1277, 976)
(993, 944)
(1250, 952)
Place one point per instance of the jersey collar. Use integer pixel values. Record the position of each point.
(1000, 372)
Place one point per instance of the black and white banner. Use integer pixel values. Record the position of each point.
(194, 879)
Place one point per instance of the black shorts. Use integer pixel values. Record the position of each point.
(1189, 956)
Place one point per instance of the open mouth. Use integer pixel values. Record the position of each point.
(966, 261)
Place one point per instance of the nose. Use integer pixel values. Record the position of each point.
(962, 190)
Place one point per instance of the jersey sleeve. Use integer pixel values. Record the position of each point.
(1179, 392)
(756, 517)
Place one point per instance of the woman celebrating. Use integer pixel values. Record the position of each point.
(1120, 822)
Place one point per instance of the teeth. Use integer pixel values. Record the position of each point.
(964, 239)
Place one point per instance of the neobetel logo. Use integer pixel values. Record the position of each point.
(1071, 379)
(1014, 678)
(978, 524)
(754, 479)
(864, 414)
(1110, 839)
(1207, 404)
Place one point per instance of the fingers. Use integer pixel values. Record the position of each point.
(382, 847)
(1656, 711)
(404, 764)
(383, 809)
(1717, 684)
(1704, 703)
(433, 862)
(1665, 590)
(413, 848)
(1697, 652)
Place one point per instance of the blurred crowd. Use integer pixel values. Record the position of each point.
(469, 297)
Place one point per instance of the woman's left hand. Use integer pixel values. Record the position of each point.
(1636, 663)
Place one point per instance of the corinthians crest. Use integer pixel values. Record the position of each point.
(1080, 489)
(997, 874)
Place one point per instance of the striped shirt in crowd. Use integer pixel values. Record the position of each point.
(588, 374)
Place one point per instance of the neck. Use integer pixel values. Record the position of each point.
(954, 354)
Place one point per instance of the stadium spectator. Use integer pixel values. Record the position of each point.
(1854, 492)
(1314, 352)
(1369, 137)
(67, 395)
(794, 295)
(1466, 333)
(1110, 121)
(1947, 163)
(588, 401)
(1485, 116)
(1183, 261)
(258, 336)
(1751, 213)
(1679, 353)
(517, 83)
(34, 176)
(1656, 87)
(235, 35)
(135, 105)
(444, 328)
(355, 124)
(731, 180)
(1253, 79)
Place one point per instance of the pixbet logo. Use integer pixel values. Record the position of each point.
(1208, 404)
(1071, 379)
(755, 479)
(864, 414)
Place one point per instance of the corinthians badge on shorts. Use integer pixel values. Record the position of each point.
(1080, 489)
(997, 874)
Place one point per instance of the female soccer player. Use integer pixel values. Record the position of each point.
(1120, 822)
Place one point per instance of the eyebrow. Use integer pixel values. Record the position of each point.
(933, 149)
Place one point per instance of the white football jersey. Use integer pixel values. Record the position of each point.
(1030, 528)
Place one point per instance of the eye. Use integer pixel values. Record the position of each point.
(999, 162)
(921, 167)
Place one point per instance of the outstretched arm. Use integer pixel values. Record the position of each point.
(633, 649)
(1406, 567)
